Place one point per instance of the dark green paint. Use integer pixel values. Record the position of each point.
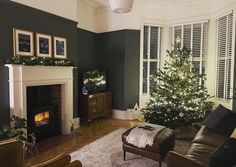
(118, 53)
(14, 15)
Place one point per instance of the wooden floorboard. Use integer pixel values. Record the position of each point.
(69, 143)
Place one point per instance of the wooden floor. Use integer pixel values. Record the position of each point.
(69, 143)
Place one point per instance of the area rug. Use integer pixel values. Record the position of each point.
(107, 152)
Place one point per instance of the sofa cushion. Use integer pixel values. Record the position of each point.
(200, 153)
(221, 121)
(225, 154)
(208, 137)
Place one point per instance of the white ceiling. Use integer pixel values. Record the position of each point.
(151, 3)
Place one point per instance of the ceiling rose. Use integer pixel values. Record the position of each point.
(121, 6)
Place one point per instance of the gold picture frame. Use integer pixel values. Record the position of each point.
(43, 45)
(23, 42)
(60, 47)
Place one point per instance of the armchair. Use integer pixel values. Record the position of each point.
(12, 154)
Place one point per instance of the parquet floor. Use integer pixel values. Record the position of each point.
(85, 135)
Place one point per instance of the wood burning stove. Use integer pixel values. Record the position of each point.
(43, 122)
(44, 111)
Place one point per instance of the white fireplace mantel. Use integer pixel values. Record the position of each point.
(21, 77)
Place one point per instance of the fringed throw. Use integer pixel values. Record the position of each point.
(141, 137)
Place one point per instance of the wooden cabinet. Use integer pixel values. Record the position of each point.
(95, 105)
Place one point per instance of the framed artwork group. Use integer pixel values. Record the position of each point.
(26, 43)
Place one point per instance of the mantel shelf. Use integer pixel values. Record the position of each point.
(37, 66)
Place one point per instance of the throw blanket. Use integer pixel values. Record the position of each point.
(140, 137)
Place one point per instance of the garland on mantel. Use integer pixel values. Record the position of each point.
(33, 61)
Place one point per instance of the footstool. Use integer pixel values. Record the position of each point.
(163, 143)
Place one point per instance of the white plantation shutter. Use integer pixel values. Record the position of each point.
(197, 34)
(145, 42)
(187, 38)
(151, 55)
(224, 56)
(194, 37)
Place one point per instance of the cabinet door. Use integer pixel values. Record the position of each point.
(100, 103)
(108, 103)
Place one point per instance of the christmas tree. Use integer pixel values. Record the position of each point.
(178, 94)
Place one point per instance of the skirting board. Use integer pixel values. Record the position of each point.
(120, 114)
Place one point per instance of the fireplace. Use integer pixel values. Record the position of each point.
(44, 108)
(39, 111)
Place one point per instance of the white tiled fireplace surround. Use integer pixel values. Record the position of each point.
(20, 77)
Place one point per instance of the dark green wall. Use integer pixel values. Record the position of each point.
(110, 49)
(13, 15)
(87, 55)
(86, 50)
(118, 53)
(132, 68)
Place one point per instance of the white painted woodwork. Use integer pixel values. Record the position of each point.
(21, 77)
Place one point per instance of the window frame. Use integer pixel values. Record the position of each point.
(148, 60)
(226, 58)
(202, 58)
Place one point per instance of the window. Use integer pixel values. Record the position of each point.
(224, 56)
(194, 37)
(150, 57)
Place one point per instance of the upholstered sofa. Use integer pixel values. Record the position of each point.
(203, 146)
(215, 130)
(12, 155)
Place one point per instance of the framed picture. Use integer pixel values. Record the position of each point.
(23, 42)
(60, 49)
(43, 45)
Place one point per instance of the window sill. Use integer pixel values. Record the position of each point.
(228, 103)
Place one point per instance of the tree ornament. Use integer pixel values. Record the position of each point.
(181, 114)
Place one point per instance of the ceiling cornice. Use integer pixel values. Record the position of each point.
(162, 5)
(91, 3)
(191, 4)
